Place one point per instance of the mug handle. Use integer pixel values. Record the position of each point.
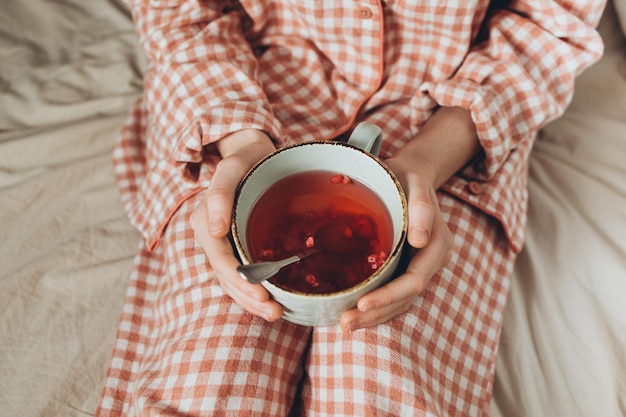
(367, 136)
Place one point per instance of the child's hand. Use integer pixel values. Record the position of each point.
(445, 144)
(211, 219)
(427, 232)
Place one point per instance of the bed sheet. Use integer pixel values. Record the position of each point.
(69, 72)
(563, 346)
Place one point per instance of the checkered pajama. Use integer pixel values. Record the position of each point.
(185, 348)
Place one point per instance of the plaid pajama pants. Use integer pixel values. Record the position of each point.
(183, 347)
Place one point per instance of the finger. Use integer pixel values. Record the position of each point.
(407, 286)
(221, 195)
(252, 297)
(222, 258)
(355, 319)
(396, 296)
(423, 265)
(385, 302)
(421, 214)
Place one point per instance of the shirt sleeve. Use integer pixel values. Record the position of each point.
(522, 76)
(201, 83)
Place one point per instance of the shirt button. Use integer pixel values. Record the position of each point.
(475, 187)
(365, 13)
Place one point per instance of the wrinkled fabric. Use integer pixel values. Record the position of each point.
(185, 348)
(300, 71)
(304, 71)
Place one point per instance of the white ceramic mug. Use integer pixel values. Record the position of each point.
(356, 159)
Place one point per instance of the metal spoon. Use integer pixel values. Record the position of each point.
(334, 237)
(260, 271)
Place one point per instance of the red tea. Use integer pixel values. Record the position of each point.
(286, 220)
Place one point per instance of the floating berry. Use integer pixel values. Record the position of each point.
(312, 280)
(340, 179)
(372, 261)
(267, 253)
(376, 261)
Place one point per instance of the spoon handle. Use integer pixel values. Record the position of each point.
(258, 272)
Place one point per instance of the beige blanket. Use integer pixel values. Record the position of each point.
(69, 71)
(563, 348)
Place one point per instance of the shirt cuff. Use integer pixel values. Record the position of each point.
(220, 122)
(487, 113)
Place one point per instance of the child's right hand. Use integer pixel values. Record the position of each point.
(211, 219)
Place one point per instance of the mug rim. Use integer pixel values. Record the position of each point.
(398, 243)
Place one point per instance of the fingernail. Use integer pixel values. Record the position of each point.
(216, 226)
(352, 326)
(420, 236)
(268, 315)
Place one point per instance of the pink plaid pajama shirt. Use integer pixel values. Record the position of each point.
(300, 70)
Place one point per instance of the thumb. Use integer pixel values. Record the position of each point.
(220, 197)
(421, 214)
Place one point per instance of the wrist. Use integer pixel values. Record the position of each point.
(253, 141)
(443, 146)
(411, 167)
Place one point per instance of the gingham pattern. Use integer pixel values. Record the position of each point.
(307, 70)
(438, 358)
(185, 348)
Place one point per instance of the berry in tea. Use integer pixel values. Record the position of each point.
(344, 220)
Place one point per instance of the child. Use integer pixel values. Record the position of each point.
(459, 89)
